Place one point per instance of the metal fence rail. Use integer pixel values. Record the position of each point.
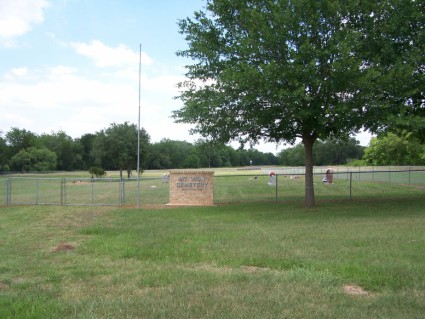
(288, 184)
(346, 185)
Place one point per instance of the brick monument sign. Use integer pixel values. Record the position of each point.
(191, 187)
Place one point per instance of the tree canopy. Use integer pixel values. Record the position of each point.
(34, 159)
(391, 149)
(116, 145)
(279, 70)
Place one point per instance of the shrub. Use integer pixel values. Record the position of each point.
(97, 171)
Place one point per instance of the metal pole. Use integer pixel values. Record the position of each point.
(92, 190)
(63, 200)
(122, 195)
(276, 186)
(351, 184)
(7, 191)
(138, 131)
(36, 191)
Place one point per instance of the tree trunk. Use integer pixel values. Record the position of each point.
(308, 142)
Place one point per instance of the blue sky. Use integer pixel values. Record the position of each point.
(72, 65)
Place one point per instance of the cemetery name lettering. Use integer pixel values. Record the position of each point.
(192, 183)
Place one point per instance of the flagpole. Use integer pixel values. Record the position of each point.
(138, 131)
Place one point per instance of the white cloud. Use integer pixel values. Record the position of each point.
(106, 56)
(16, 73)
(61, 98)
(18, 16)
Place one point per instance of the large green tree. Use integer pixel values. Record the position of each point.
(279, 70)
(116, 147)
(391, 149)
(85, 144)
(3, 154)
(393, 48)
(68, 152)
(33, 159)
(170, 154)
(20, 139)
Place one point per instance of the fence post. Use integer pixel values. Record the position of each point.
(351, 184)
(410, 170)
(123, 191)
(276, 185)
(62, 191)
(121, 199)
(92, 191)
(7, 191)
(36, 191)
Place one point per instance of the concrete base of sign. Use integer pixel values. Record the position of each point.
(191, 188)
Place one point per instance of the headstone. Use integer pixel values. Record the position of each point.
(329, 176)
(166, 178)
(272, 179)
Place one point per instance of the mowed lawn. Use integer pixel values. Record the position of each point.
(362, 259)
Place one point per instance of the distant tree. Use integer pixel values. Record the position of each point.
(20, 139)
(203, 149)
(324, 153)
(337, 152)
(391, 149)
(157, 159)
(192, 161)
(97, 171)
(3, 154)
(68, 152)
(33, 159)
(86, 144)
(116, 147)
(172, 153)
(293, 156)
(214, 154)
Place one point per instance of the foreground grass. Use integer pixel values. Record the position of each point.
(240, 261)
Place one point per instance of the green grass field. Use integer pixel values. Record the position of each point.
(350, 259)
(230, 186)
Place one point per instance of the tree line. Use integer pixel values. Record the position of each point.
(388, 149)
(115, 148)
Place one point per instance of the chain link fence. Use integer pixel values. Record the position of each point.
(250, 186)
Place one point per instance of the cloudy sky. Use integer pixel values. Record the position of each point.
(73, 65)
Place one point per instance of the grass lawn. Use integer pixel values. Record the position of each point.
(340, 260)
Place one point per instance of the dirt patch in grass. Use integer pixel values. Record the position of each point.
(62, 247)
(355, 290)
(212, 268)
(251, 269)
(3, 286)
(226, 270)
(78, 183)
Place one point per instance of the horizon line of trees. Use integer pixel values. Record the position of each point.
(114, 148)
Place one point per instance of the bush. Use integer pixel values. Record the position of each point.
(97, 171)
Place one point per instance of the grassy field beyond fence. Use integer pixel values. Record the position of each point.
(230, 186)
(339, 260)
